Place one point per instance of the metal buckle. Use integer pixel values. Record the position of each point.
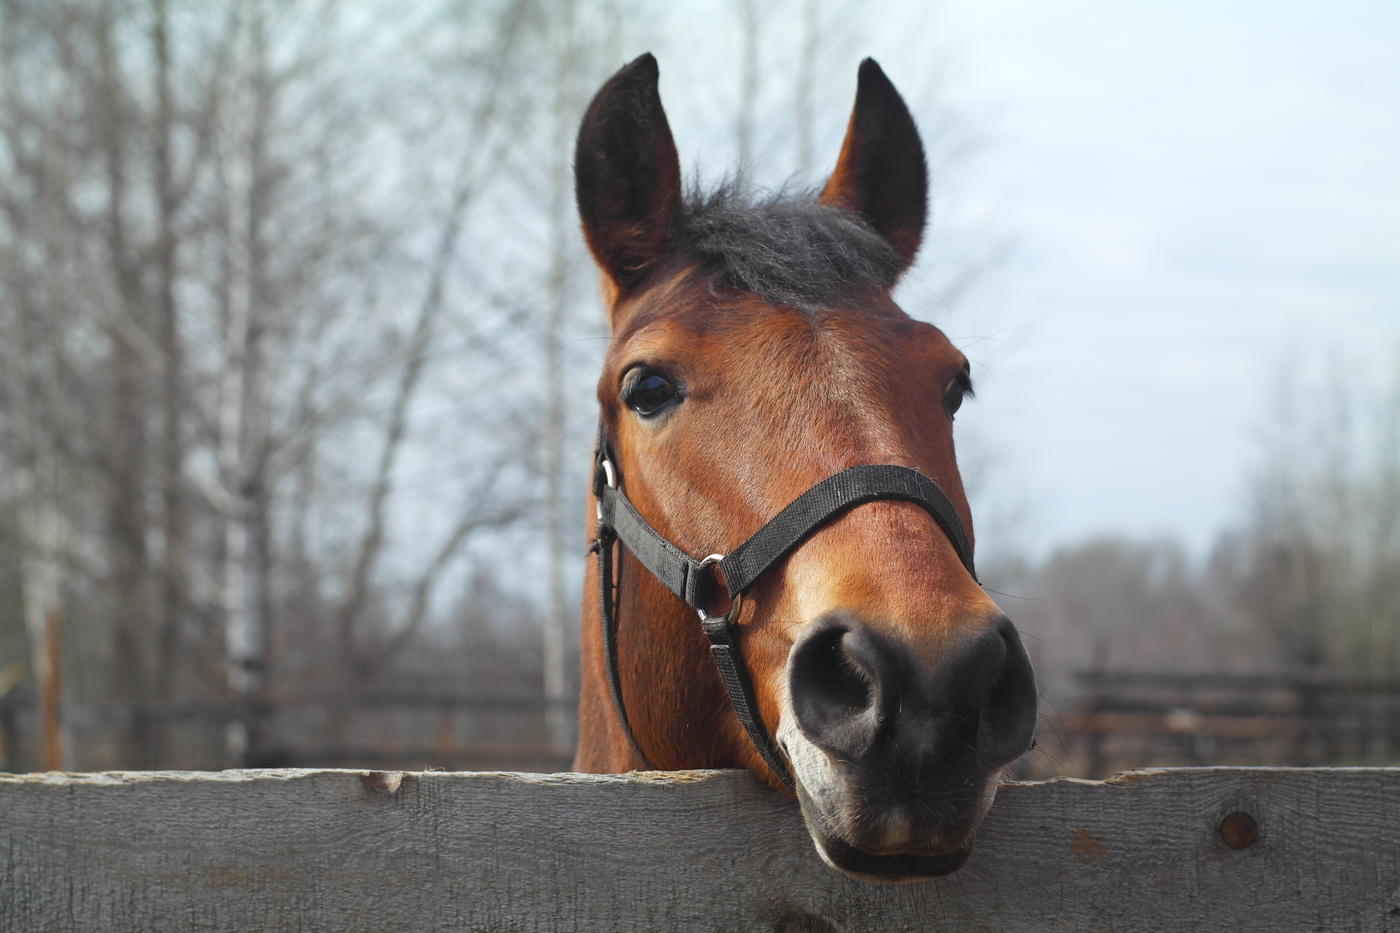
(718, 625)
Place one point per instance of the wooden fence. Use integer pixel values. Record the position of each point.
(407, 728)
(1128, 719)
(1096, 722)
(1189, 849)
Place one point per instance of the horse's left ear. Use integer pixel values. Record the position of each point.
(881, 172)
(627, 176)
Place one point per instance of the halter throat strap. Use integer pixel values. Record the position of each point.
(692, 580)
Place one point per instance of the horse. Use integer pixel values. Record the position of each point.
(775, 456)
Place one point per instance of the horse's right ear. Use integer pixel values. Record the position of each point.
(627, 176)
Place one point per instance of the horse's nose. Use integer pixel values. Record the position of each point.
(862, 696)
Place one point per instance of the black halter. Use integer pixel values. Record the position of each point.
(693, 580)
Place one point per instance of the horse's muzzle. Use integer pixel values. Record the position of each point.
(896, 761)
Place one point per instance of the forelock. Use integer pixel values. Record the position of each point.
(786, 249)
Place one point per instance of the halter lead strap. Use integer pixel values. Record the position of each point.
(692, 581)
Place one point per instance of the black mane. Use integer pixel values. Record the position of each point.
(786, 249)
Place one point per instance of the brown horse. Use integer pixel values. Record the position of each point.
(757, 360)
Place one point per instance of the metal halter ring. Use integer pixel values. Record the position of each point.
(611, 483)
(735, 605)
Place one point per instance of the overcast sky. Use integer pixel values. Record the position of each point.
(1194, 193)
(1197, 192)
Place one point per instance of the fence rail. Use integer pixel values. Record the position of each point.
(1097, 722)
(1183, 849)
(381, 728)
(1124, 719)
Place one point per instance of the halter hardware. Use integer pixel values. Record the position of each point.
(691, 580)
(736, 602)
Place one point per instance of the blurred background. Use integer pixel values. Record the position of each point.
(298, 341)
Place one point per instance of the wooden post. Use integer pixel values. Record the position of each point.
(51, 690)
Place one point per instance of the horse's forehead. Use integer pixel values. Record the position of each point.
(746, 333)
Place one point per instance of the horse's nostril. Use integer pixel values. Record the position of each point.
(835, 688)
(1007, 728)
(968, 682)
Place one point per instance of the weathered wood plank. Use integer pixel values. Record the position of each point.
(348, 850)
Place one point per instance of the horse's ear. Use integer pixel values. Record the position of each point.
(881, 172)
(627, 176)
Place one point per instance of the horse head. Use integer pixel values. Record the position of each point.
(758, 363)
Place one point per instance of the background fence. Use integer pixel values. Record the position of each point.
(1094, 723)
(382, 729)
(1127, 719)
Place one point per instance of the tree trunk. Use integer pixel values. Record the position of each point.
(174, 518)
(238, 385)
(559, 527)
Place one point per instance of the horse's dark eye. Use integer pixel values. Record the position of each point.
(956, 391)
(649, 393)
(952, 399)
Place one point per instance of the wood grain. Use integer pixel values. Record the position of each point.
(704, 851)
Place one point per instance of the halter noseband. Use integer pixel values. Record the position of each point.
(692, 581)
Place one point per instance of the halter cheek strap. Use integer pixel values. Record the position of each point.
(692, 581)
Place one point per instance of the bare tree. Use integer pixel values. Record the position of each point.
(558, 527)
(193, 237)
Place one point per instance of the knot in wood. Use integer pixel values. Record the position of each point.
(1239, 830)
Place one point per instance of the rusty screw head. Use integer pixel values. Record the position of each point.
(1239, 830)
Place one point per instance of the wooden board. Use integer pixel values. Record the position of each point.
(374, 851)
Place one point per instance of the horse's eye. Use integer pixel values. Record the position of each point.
(956, 391)
(649, 393)
(952, 399)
